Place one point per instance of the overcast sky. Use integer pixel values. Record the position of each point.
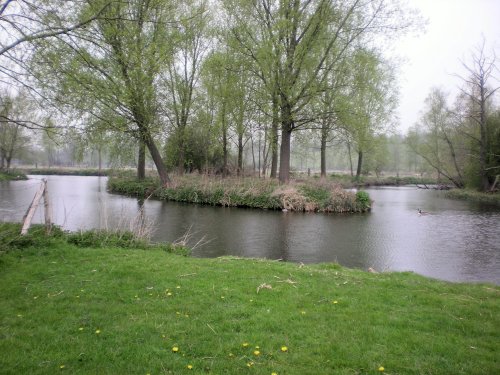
(454, 28)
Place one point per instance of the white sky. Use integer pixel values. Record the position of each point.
(454, 29)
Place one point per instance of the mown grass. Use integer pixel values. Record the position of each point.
(12, 175)
(68, 309)
(475, 196)
(309, 196)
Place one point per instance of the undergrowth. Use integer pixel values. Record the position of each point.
(307, 196)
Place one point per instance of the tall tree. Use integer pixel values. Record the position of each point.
(371, 101)
(290, 41)
(182, 75)
(479, 92)
(113, 66)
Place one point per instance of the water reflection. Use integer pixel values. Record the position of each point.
(457, 241)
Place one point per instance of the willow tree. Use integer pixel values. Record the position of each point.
(112, 67)
(182, 75)
(371, 101)
(479, 92)
(435, 138)
(291, 43)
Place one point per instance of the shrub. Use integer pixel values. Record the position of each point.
(363, 199)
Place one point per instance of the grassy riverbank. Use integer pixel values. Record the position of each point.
(348, 181)
(310, 196)
(68, 171)
(12, 175)
(82, 310)
(475, 196)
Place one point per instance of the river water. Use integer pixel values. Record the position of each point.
(455, 241)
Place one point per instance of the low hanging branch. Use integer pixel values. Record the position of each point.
(50, 32)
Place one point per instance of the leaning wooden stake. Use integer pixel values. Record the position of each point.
(47, 208)
(32, 208)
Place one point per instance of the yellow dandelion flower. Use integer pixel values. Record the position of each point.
(335, 302)
(381, 369)
(249, 364)
(303, 312)
(274, 373)
(245, 344)
(190, 367)
(175, 349)
(284, 349)
(178, 286)
(222, 297)
(62, 366)
(257, 347)
(97, 331)
(256, 353)
(231, 354)
(169, 293)
(80, 329)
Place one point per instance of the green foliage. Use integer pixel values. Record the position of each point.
(199, 153)
(12, 175)
(363, 199)
(475, 196)
(11, 239)
(103, 238)
(106, 311)
(310, 196)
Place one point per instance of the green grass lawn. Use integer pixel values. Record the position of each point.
(67, 309)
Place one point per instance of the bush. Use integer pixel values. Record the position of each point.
(363, 199)
(101, 238)
(11, 238)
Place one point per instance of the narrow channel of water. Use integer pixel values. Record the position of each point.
(456, 241)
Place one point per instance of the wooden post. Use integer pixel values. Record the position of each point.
(31, 210)
(47, 208)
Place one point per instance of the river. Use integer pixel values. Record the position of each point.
(455, 241)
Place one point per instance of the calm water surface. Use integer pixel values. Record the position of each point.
(456, 241)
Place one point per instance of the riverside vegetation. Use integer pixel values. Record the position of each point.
(310, 196)
(102, 303)
(12, 175)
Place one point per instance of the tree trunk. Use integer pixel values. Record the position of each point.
(99, 157)
(141, 161)
(274, 138)
(240, 154)
(182, 151)
(485, 183)
(360, 162)
(324, 135)
(286, 135)
(157, 159)
(224, 142)
(350, 158)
